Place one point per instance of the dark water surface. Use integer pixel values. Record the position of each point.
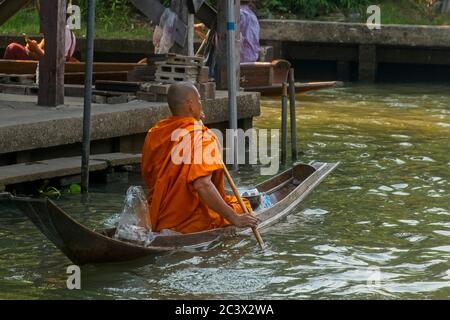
(378, 227)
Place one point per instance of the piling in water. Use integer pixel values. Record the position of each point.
(292, 114)
(284, 100)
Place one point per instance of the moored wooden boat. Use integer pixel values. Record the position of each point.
(300, 87)
(268, 77)
(82, 245)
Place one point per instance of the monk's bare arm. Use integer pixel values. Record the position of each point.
(209, 193)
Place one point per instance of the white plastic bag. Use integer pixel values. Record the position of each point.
(134, 223)
(163, 38)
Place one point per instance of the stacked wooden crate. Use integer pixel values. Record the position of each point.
(146, 72)
(177, 68)
(152, 81)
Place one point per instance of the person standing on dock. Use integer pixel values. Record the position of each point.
(187, 196)
(250, 32)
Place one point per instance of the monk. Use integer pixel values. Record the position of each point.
(187, 196)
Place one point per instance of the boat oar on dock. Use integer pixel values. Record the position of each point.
(243, 206)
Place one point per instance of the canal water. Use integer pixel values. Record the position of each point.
(377, 228)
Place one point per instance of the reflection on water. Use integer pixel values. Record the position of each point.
(382, 218)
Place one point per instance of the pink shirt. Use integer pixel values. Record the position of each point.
(70, 43)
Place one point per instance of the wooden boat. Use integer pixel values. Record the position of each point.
(268, 77)
(82, 245)
(300, 87)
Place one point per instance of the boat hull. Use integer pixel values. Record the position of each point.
(84, 246)
(300, 87)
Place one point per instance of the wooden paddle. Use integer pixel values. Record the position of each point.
(243, 206)
(202, 46)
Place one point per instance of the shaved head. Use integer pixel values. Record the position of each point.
(178, 96)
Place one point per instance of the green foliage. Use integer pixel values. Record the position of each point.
(74, 188)
(45, 189)
(110, 14)
(119, 19)
(313, 8)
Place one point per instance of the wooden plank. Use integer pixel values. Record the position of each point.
(118, 159)
(51, 67)
(141, 72)
(110, 93)
(29, 67)
(78, 77)
(101, 66)
(18, 66)
(46, 169)
(54, 168)
(119, 86)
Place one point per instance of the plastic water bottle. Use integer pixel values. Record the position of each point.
(266, 202)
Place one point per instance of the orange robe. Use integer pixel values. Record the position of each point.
(173, 202)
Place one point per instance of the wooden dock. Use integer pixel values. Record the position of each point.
(61, 167)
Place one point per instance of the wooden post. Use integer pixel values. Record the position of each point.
(221, 55)
(293, 116)
(181, 9)
(51, 65)
(284, 101)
